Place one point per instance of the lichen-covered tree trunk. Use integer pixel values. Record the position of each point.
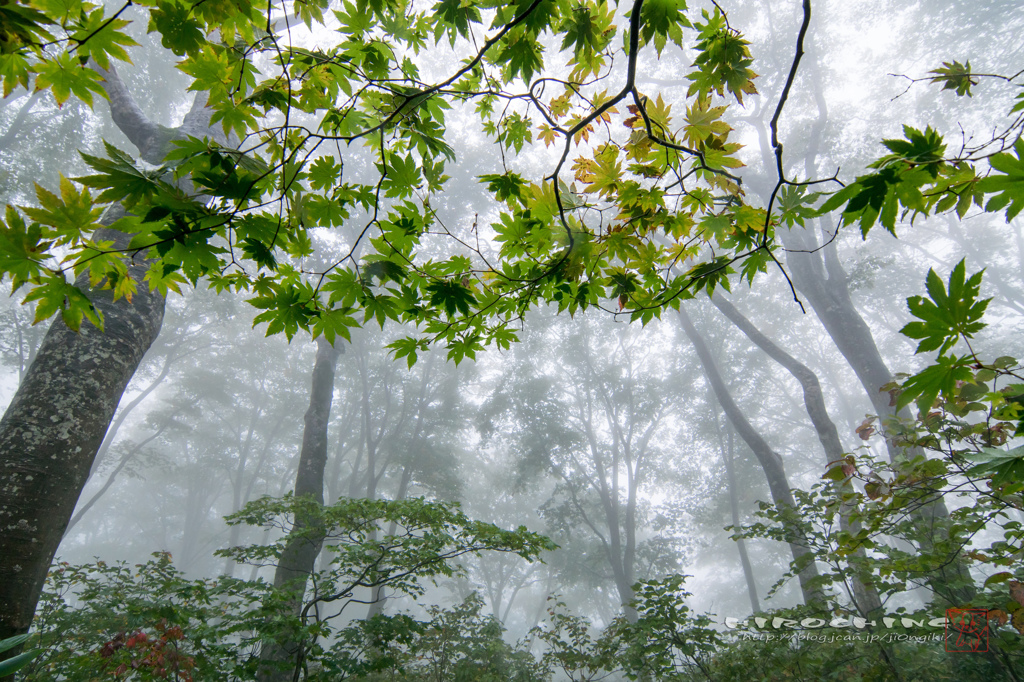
(57, 420)
(300, 552)
(52, 430)
(771, 461)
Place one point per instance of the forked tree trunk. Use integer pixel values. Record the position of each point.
(771, 462)
(865, 596)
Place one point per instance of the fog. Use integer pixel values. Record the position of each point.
(637, 447)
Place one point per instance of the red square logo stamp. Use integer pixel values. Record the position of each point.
(966, 630)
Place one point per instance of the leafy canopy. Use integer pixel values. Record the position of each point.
(640, 210)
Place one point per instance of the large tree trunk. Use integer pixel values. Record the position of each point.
(299, 556)
(865, 597)
(56, 422)
(771, 462)
(53, 428)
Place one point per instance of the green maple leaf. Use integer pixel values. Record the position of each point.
(382, 269)
(946, 315)
(101, 39)
(287, 307)
(505, 186)
(521, 56)
(955, 76)
(323, 173)
(64, 76)
(71, 215)
(606, 173)
(15, 70)
(344, 287)
(942, 377)
(407, 348)
(794, 205)
(1005, 466)
(326, 211)
(380, 307)
(210, 69)
(919, 149)
(661, 20)
(866, 199)
(702, 122)
(515, 132)
(452, 295)
(334, 323)
(22, 249)
(723, 60)
(403, 176)
(179, 30)
(119, 178)
(164, 277)
(1006, 181)
(106, 268)
(457, 15)
(237, 119)
(55, 294)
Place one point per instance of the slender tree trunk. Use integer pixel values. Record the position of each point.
(734, 508)
(127, 457)
(770, 460)
(376, 606)
(822, 281)
(865, 597)
(123, 413)
(299, 556)
(236, 531)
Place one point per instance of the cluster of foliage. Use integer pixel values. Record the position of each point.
(665, 641)
(150, 622)
(957, 452)
(659, 213)
(458, 643)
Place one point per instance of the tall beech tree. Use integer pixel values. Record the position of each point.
(864, 596)
(298, 558)
(57, 420)
(770, 461)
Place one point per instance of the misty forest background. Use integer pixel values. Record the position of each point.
(604, 435)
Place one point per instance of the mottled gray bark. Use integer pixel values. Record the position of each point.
(56, 422)
(300, 552)
(53, 428)
(771, 461)
(865, 597)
